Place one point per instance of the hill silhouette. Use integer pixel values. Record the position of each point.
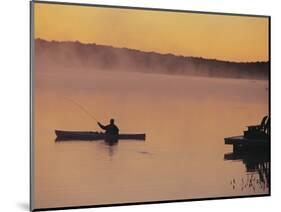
(101, 57)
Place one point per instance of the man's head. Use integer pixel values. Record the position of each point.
(111, 121)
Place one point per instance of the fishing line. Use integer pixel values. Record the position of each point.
(81, 107)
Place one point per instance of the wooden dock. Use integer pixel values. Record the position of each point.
(240, 142)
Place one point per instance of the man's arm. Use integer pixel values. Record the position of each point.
(102, 126)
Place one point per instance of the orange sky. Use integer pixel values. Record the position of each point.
(233, 38)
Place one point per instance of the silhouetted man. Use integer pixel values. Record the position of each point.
(111, 129)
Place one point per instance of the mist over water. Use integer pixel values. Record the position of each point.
(84, 57)
(185, 120)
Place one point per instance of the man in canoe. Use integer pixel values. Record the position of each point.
(111, 129)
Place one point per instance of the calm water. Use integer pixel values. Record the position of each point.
(185, 119)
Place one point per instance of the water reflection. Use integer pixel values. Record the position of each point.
(110, 143)
(175, 140)
(256, 162)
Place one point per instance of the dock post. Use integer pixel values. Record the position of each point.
(236, 148)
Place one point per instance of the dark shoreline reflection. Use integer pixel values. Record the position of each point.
(256, 162)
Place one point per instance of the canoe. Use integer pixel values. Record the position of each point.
(91, 136)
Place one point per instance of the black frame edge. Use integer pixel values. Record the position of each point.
(148, 203)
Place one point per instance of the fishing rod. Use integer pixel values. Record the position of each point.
(82, 108)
